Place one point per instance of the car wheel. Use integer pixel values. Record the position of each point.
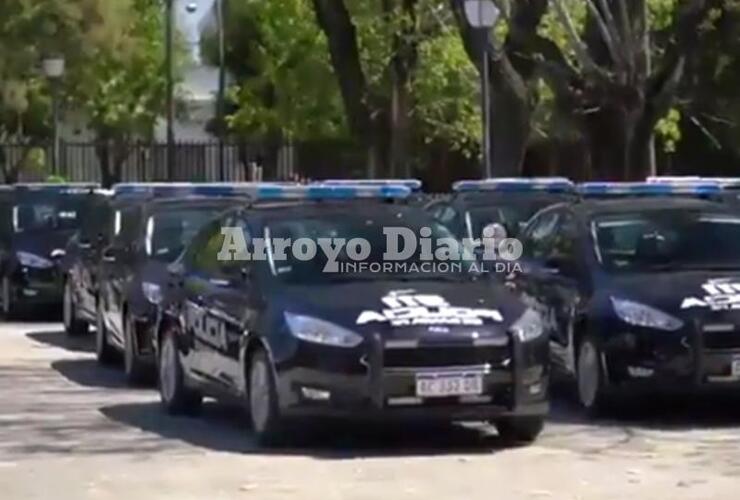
(72, 325)
(175, 396)
(520, 430)
(103, 350)
(136, 371)
(590, 377)
(264, 410)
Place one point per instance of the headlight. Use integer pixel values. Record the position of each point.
(152, 292)
(321, 332)
(32, 260)
(637, 314)
(529, 326)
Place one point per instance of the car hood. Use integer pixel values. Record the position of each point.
(41, 243)
(409, 309)
(683, 293)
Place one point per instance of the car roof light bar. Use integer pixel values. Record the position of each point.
(613, 189)
(332, 192)
(412, 184)
(517, 185)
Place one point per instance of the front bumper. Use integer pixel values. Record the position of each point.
(379, 381)
(36, 286)
(700, 357)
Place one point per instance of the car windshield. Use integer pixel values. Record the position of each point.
(345, 227)
(48, 211)
(169, 232)
(668, 239)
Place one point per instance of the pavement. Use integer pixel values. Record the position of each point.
(70, 429)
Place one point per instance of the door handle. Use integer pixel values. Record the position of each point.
(84, 245)
(109, 258)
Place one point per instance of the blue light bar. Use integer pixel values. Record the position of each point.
(677, 179)
(183, 189)
(412, 184)
(517, 185)
(724, 182)
(57, 188)
(612, 189)
(331, 192)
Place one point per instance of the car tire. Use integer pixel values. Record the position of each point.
(175, 396)
(264, 409)
(104, 352)
(520, 430)
(137, 372)
(10, 309)
(72, 325)
(590, 378)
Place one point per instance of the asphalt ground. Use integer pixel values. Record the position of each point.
(70, 429)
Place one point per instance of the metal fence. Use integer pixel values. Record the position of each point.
(139, 161)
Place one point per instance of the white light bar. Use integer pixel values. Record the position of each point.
(517, 185)
(611, 189)
(412, 184)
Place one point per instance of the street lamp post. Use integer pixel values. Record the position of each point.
(482, 15)
(221, 98)
(54, 70)
(169, 61)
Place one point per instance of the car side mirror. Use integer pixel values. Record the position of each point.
(495, 230)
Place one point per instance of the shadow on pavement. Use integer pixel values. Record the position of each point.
(224, 428)
(655, 411)
(87, 372)
(60, 339)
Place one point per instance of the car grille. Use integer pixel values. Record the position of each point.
(446, 355)
(721, 339)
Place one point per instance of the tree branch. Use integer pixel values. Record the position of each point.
(579, 47)
(608, 34)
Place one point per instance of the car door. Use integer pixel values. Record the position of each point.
(234, 305)
(92, 239)
(204, 330)
(117, 261)
(567, 287)
(552, 277)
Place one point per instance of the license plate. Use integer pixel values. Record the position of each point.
(440, 386)
(736, 367)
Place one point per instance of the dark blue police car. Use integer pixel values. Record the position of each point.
(151, 226)
(38, 221)
(289, 337)
(641, 283)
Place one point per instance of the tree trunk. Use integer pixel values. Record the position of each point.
(335, 21)
(102, 149)
(510, 121)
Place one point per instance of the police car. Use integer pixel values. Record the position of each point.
(509, 202)
(641, 283)
(151, 225)
(37, 221)
(291, 337)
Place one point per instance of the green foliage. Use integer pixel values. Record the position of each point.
(445, 87)
(287, 85)
(668, 130)
(123, 87)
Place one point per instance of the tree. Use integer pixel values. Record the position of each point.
(113, 53)
(122, 85)
(615, 70)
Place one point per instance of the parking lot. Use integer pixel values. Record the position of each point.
(71, 429)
